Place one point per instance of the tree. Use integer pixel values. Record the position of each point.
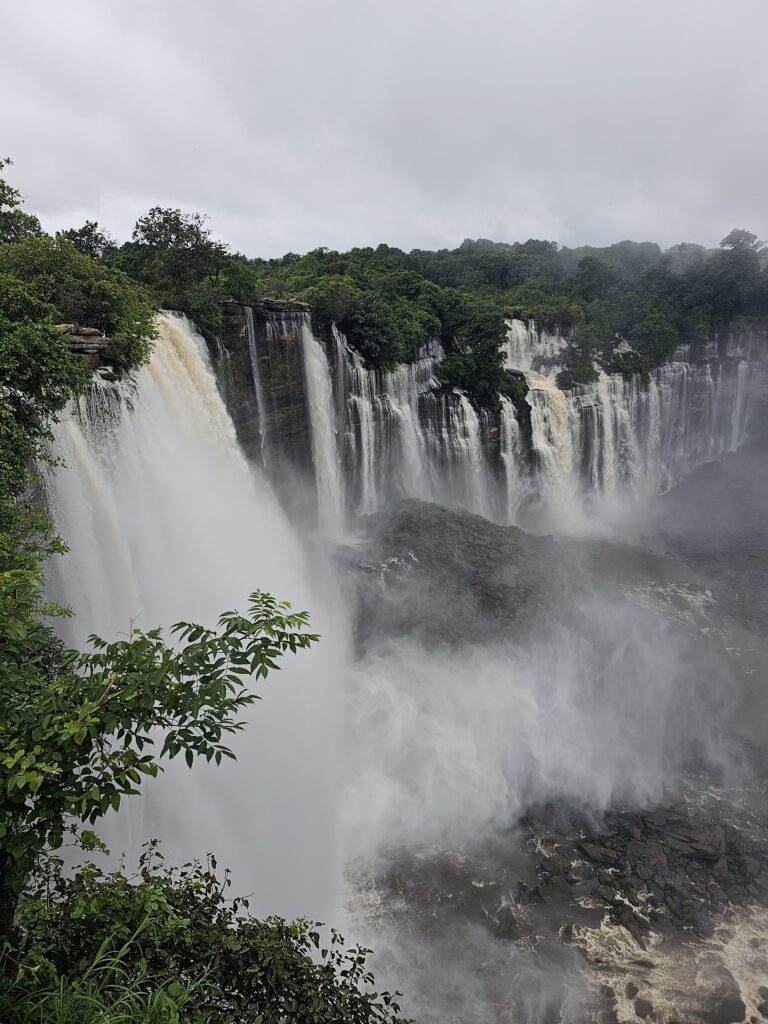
(654, 335)
(739, 238)
(38, 376)
(15, 223)
(90, 240)
(476, 362)
(86, 292)
(593, 278)
(174, 255)
(78, 730)
(176, 248)
(579, 356)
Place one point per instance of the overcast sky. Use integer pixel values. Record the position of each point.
(299, 123)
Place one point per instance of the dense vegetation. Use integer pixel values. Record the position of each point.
(82, 730)
(390, 303)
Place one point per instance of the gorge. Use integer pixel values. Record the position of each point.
(461, 778)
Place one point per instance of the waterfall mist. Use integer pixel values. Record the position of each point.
(165, 521)
(469, 672)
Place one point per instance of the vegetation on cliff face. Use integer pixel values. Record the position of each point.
(390, 303)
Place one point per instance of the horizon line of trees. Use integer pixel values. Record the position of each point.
(390, 302)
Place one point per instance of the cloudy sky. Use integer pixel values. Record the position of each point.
(299, 123)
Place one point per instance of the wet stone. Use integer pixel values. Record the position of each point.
(598, 854)
(725, 1008)
(506, 925)
(643, 1007)
(751, 866)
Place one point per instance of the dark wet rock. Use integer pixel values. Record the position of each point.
(763, 991)
(762, 1009)
(581, 890)
(582, 872)
(270, 330)
(607, 1017)
(750, 867)
(643, 1007)
(720, 869)
(727, 1008)
(598, 854)
(631, 990)
(556, 889)
(506, 924)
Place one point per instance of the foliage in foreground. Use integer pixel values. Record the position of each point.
(106, 991)
(78, 730)
(180, 936)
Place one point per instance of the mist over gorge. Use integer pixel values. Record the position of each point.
(488, 700)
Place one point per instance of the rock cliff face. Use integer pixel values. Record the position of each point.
(259, 364)
(89, 344)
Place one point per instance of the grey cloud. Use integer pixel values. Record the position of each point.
(416, 122)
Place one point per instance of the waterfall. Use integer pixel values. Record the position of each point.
(520, 346)
(525, 342)
(317, 379)
(551, 431)
(260, 400)
(738, 416)
(477, 484)
(165, 521)
(360, 437)
(376, 436)
(512, 459)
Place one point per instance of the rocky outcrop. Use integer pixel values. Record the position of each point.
(89, 343)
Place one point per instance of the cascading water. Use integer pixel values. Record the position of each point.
(512, 458)
(526, 343)
(738, 416)
(323, 431)
(165, 521)
(379, 435)
(551, 434)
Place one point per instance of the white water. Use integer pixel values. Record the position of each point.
(512, 457)
(166, 521)
(377, 436)
(317, 380)
(526, 342)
